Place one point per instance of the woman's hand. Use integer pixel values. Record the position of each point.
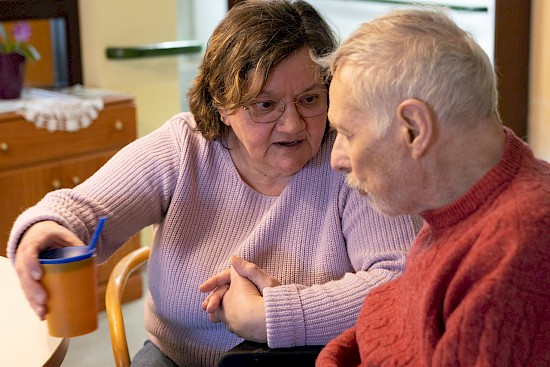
(40, 236)
(237, 299)
(218, 285)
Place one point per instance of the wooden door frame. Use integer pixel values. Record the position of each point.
(512, 45)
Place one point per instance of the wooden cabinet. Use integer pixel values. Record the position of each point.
(35, 161)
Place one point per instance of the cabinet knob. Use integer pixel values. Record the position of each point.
(75, 180)
(56, 184)
(119, 125)
(4, 147)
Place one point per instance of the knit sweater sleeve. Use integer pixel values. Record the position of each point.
(376, 248)
(133, 189)
(340, 352)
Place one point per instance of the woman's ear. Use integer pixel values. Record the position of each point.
(224, 116)
(416, 125)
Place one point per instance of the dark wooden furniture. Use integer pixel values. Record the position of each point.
(35, 161)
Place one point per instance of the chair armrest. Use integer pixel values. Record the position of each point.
(113, 299)
(259, 354)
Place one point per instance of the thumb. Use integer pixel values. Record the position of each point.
(253, 273)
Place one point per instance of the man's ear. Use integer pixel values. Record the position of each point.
(416, 126)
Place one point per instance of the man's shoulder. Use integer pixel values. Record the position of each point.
(529, 192)
(519, 217)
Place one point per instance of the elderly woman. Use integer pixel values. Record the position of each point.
(246, 173)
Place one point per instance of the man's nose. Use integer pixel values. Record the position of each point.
(339, 159)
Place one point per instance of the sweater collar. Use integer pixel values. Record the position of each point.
(492, 183)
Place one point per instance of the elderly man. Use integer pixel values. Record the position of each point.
(414, 101)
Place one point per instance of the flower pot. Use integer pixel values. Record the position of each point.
(12, 72)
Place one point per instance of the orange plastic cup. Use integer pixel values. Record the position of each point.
(70, 284)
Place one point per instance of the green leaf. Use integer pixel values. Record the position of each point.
(33, 52)
(3, 33)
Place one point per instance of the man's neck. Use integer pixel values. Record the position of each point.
(463, 159)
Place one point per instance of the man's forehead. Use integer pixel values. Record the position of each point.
(339, 99)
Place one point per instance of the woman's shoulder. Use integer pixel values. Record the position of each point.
(181, 130)
(181, 122)
(176, 139)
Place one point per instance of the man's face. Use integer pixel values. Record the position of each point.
(374, 163)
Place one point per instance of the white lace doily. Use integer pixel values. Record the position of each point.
(55, 111)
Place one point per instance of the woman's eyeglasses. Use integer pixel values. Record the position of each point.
(265, 110)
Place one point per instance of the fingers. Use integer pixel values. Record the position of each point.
(38, 237)
(218, 315)
(213, 317)
(218, 285)
(214, 299)
(29, 272)
(35, 294)
(236, 298)
(255, 274)
(213, 282)
(237, 302)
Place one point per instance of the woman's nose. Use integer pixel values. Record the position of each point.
(290, 121)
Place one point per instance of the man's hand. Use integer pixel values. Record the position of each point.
(236, 299)
(39, 237)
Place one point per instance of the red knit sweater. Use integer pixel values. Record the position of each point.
(476, 289)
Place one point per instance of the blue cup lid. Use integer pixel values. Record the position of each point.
(65, 254)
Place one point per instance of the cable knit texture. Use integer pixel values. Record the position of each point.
(319, 238)
(476, 290)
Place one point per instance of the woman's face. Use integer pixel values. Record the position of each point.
(274, 151)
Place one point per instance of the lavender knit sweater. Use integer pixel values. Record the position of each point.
(318, 238)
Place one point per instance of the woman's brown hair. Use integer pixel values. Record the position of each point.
(252, 38)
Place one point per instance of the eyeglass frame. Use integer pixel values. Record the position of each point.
(284, 104)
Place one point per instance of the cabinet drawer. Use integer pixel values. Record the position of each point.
(21, 143)
(22, 188)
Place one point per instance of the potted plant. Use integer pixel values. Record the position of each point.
(14, 52)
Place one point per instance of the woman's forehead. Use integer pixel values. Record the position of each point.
(296, 71)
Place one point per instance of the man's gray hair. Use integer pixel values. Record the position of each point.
(420, 53)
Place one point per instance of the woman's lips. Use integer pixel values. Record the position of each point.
(289, 143)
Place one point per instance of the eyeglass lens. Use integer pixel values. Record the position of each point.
(269, 109)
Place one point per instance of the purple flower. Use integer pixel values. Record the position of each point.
(19, 42)
(22, 31)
